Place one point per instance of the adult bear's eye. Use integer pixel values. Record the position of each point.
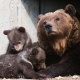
(57, 19)
(44, 23)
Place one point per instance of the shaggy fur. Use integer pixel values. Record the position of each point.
(69, 64)
(19, 40)
(67, 30)
(11, 65)
(58, 33)
(64, 32)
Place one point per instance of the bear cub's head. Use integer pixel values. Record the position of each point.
(37, 57)
(18, 38)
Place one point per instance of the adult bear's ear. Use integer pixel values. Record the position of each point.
(6, 31)
(70, 10)
(21, 29)
(40, 16)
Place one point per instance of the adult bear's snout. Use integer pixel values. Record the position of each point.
(48, 28)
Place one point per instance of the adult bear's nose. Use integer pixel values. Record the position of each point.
(48, 28)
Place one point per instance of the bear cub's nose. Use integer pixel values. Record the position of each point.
(48, 28)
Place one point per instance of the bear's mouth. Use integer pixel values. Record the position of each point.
(51, 32)
(48, 30)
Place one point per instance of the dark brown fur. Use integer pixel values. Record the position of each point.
(69, 64)
(19, 40)
(67, 32)
(58, 33)
(24, 62)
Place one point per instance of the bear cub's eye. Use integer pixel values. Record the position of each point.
(19, 42)
(44, 23)
(42, 61)
(57, 19)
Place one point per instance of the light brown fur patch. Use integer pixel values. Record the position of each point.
(59, 46)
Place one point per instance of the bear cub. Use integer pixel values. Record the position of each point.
(18, 38)
(24, 62)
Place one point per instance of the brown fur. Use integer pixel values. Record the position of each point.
(11, 65)
(59, 34)
(67, 31)
(18, 38)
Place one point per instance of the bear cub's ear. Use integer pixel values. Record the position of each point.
(6, 31)
(70, 10)
(40, 16)
(21, 29)
(34, 51)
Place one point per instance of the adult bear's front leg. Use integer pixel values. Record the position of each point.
(69, 65)
(62, 69)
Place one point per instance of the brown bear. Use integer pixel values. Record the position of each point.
(24, 62)
(18, 38)
(58, 33)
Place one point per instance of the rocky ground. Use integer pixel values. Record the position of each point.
(75, 77)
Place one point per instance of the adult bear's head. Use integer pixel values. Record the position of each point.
(59, 28)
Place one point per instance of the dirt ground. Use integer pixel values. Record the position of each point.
(75, 77)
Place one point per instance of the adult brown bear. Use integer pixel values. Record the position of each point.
(59, 36)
